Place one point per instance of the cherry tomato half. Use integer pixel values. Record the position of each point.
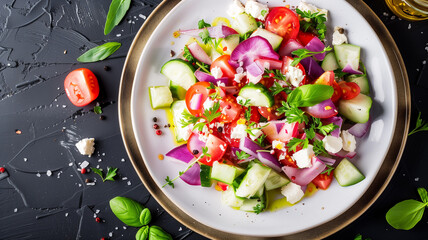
(230, 109)
(223, 63)
(286, 64)
(200, 88)
(323, 181)
(305, 37)
(349, 90)
(216, 149)
(284, 22)
(81, 87)
(327, 78)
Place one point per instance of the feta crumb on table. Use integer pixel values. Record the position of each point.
(86, 146)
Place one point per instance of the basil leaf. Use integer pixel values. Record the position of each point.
(157, 233)
(143, 233)
(116, 12)
(423, 194)
(309, 95)
(406, 214)
(145, 216)
(100, 52)
(127, 210)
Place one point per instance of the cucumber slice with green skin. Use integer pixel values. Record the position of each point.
(160, 97)
(361, 81)
(329, 63)
(347, 174)
(275, 180)
(256, 205)
(258, 95)
(259, 192)
(205, 175)
(224, 173)
(356, 109)
(274, 39)
(244, 23)
(347, 54)
(253, 181)
(228, 198)
(177, 109)
(230, 42)
(177, 91)
(180, 72)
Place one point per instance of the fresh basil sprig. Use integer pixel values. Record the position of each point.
(406, 214)
(158, 233)
(116, 12)
(127, 210)
(304, 53)
(100, 52)
(143, 233)
(309, 95)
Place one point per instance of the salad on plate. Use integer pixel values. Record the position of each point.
(264, 107)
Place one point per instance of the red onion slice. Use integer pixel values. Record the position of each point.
(313, 69)
(205, 77)
(269, 63)
(269, 160)
(251, 49)
(315, 45)
(180, 153)
(288, 47)
(360, 129)
(326, 160)
(324, 109)
(344, 154)
(192, 176)
(249, 146)
(348, 69)
(255, 70)
(199, 53)
(304, 176)
(336, 121)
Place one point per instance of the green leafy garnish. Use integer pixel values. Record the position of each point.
(203, 24)
(100, 52)
(421, 125)
(258, 208)
(211, 113)
(111, 172)
(205, 152)
(205, 36)
(247, 114)
(245, 103)
(406, 214)
(169, 182)
(316, 21)
(192, 60)
(295, 142)
(188, 119)
(339, 74)
(245, 36)
(277, 88)
(200, 126)
(242, 155)
(304, 53)
(323, 129)
(319, 147)
(116, 12)
(263, 12)
(309, 95)
(292, 113)
(328, 169)
(360, 237)
(98, 110)
(275, 73)
(260, 140)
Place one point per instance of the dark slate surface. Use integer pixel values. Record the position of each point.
(39, 42)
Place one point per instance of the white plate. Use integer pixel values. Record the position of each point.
(203, 204)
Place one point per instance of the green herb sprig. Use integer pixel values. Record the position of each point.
(192, 60)
(421, 125)
(316, 21)
(242, 155)
(277, 88)
(406, 214)
(304, 53)
(100, 52)
(111, 173)
(116, 12)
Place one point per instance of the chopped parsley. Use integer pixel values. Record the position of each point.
(316, 22)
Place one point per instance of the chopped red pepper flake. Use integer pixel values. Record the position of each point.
(97, 219)
(2, 170)
(83, 171)
(158, 132)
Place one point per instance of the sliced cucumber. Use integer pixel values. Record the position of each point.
(223, 172)
(258, 95)
(347, 174)
(356, 109)
(244, 23)
(274, 39)
(177, 109)
(347, 54)
(256, 205)
(275, 180)
(205, 175)
(329, 63)
(361, 81)
(253, 181)
(230, 42)
(228, 198)
(259, 192)
(177, 91)
(180, 72)
(160, 97)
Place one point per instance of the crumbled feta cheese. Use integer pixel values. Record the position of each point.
(84, 164)
(294, 75)
(239, 131)
(303, 157)
(278, 144)
(349, 143)
(312, 8)
(254, 79)
(239, 76)
(216, 72)
(235, 8)
(255, 133)
(208, 103)
(203, 136)
(332, 144)
(86, 146)
(256, 10)
(292, 192)
(339, 36)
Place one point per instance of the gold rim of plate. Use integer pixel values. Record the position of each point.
(381, 180)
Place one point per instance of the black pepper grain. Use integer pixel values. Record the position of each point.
(102, 117)
(172, 53)
(106, 68)
(155, 119)
(220, 129)
(341, 30)
(195, 152)
(87, 180)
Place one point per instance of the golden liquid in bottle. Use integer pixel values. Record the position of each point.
(412, 10)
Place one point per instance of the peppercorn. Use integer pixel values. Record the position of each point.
(155, 126)
(83, 171)
(195, 152)
(2, 169)
(102, 117)
(106, 68)
(87, 180)
(97, 219)
(220, 129)
(158, 132)
(155, 119)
